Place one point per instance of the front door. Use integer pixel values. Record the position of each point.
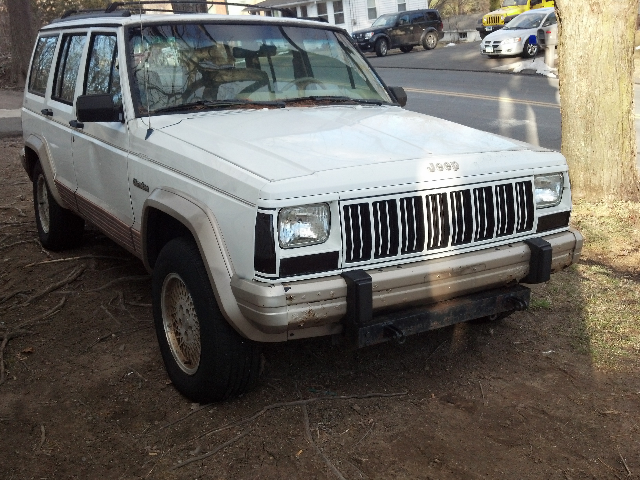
(100, 148)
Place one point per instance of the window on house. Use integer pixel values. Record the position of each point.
(303, 11)
(371, 9)
(42, 64)
(338, 12)
(322, 11)
(402, 5)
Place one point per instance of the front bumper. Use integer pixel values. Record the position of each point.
(365, 45)
(317, 307)
(487, 29)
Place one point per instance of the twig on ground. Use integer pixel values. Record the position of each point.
(201, 407)
(14, 244)
(11, 207)
(307, 434)
(214, 451)
(113, 334)
(482, 391)
(70, 278)
(365, 435)
(293, 403)
(610, 468)
(43, 436)
(137, 304)
(626, 467)
(110, 315)
(19, 330)
(70, 259)
(134, 278)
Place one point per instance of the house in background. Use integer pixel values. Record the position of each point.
(461, 28)
(349, 14)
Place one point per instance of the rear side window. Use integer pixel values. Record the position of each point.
(417, 17)
(42, 59)
(432, 16)
(67, 68)
(102, 74)
(551, 20)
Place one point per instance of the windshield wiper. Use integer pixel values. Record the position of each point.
(213, 104)
(336, 99)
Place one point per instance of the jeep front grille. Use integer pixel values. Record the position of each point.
(493, 20)
(405, 225)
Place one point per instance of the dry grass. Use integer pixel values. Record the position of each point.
(600, 297)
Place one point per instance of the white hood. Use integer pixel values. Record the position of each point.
(279, 144)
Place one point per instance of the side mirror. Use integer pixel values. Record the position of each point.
(98, 108)
(399, 94)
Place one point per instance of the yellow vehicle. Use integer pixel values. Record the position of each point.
(509, 9)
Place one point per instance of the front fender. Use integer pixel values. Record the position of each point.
(204, 228)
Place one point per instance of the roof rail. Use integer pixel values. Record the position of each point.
(125, 9)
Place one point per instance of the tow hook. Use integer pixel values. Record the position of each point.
(397, 334)
(518, 304)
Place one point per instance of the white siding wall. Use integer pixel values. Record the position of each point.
(355, 11)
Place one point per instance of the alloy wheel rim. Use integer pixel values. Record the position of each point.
(181, 325)
(42, 197)
(383, 47)
(431, 41)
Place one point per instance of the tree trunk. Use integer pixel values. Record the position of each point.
(596, 97)
(23, 34)
(195, 7)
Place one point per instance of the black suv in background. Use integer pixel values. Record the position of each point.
(402, 30)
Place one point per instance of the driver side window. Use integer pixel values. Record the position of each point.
(103, 75)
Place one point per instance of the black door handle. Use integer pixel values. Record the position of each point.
(47, 112)
(76, 124)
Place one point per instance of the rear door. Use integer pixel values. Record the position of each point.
(56, 130)
(418, 24)
(401, 33)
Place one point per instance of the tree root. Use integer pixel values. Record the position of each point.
(307, 434)
(20, 330)
(134, 278)
(214, 451)
(82, 257)
(70, 278)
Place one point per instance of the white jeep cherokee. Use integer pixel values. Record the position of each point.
(276, 189)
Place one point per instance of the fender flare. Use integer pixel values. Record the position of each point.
(41, 148)
(204, 228)
(377, 37)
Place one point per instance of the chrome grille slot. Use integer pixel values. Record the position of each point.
(505, 217)
(461, 217)
(484, 213)
(437, 221)
(412, 221)
(385, 225)
(524, 206)
(357, 232)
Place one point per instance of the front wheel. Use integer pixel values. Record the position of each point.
(206, 359)
(382, 47)
(429, 41)
(58, 228)
(530, 49)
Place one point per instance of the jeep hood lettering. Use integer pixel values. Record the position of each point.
(294, 142)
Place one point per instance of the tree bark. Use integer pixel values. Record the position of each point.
(596, 97)
(23, 34)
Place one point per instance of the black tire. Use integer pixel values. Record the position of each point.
(58, 228)
(406, 48)
(492, 56)
(382, 47)
(529, 50)
(429, 41)
(206, 359)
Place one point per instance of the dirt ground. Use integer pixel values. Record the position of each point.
(87, 396)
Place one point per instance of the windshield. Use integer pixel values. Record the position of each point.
(387, 21)
(200, 64)
(522, 22)
(512, 3)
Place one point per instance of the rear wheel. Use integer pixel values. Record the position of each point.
(206, 359)
(382, 47)
(530, 49)
(429, 41)
(58, 228)
(406, 48)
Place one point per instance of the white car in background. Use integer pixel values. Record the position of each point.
(516, 37)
